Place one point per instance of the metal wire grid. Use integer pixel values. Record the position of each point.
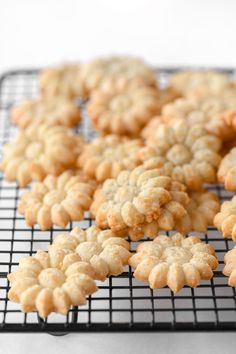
(122, 303)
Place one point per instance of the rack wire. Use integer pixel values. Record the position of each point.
(122, 303)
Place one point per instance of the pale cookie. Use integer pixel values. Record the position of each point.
(107, 156)
(111, 73)
(227, 171)
(139, 202)
(174, 262)
(187, 154)
(106, 253)
(57, 200)
(225, 220)
(123, 112)
(208, 111)
(57, 110)
(40, 150)
(51, 281)
(201, 210)
(198, 83)
(229, 269)
(62, 80)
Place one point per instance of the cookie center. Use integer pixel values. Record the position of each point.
(54, 197)
(34, 150)
(51, 278)
(179, 155)
(120, 103)
(176, 254)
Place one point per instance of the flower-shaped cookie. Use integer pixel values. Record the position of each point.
(117, 73)
(174, 261)
(201, 210)
(40, 150)
(51, 281)
(57, 200)
(63, 276)
(225, 220)
(58, 110)
(229, 269)
(209, 111)
(187, 154)
(139, 202)
(198, 83)
(62, 80)
(107, 156)
(106, 253)
(227, 171)
(123, 112)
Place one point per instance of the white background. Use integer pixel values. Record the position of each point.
(164, 32)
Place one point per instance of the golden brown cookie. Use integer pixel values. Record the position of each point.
(62, 80)
(106, 157)
(57, 110)
(187, 154)
(227, 171)
(225, 220)
(139, 202)
(57, 200)
(111, 73)
(229, 269)
(174, 262)
(201, 210)
(123, 112)
(209, 111)
(54, 281)
(40, 150)
(198, 83)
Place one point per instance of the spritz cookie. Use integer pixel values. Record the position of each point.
(123, 112)
(139, 202)
(201, 210)
(62, 80)
(50, 282)
(111, 73)
(198, 83)
(105, 157)
(208, 111)
(229, 269)
(57, 110)
(174, 262)
(40, 150)
(227, 170)
(57, 200)
(225, 220)
(187, 154)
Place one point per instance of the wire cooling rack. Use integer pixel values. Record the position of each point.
(122, 303)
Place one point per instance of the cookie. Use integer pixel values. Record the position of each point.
(57, 200)
(208, 111)
(225, 220)
(174, 262)
(108, 74)
(201, 210)
(139, 202)
(54, 281)
(106, 157)
(57, 110)
(187, 154)
(198, 83)
(227, 171)
(62, 80)
(40, 150)
(123, 112)
(229, 269)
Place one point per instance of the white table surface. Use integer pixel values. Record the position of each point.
(164, 32)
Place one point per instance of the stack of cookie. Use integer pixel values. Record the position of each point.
(144, 173)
